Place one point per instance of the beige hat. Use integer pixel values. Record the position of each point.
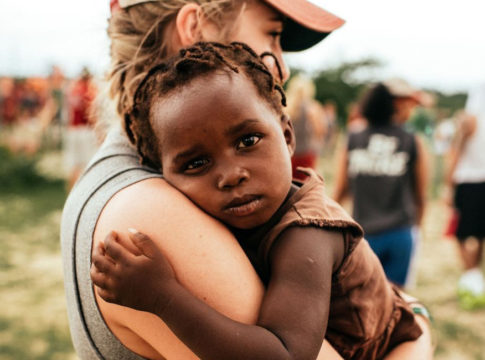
(400, 88)
(307, 24)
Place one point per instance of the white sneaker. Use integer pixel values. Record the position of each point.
(472, 281)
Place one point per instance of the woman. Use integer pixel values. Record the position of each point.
(308, 118)
(385, 170)
(116, 193)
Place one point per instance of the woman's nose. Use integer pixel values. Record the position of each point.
(231, 178)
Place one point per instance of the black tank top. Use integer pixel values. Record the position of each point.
(381, 175)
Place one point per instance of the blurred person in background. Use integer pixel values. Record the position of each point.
(6, 87)
(331, 126)
(383, 168)
(23, 106)
(80, 140)
(443, 135)
(355, 120)
(308, 118)
(466, 181)
(10, 101)
(53, 115)
(116, 192)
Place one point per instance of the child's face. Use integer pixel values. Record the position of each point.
(225, 148)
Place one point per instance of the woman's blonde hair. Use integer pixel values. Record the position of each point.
(300, 89)
(140, 37)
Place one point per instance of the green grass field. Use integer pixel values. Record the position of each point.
(33, 320)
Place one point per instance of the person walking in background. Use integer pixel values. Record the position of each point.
(308, 118)
(53, 115)
(384, 169)
(80, 140)
(355, 121)
(8, 102)
(330, 115)
(466, 179)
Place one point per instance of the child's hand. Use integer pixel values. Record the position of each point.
(140, 281)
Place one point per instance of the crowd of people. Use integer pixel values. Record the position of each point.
(386, 170)
(50, 112)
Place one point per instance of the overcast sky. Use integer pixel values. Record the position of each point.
(431, 43)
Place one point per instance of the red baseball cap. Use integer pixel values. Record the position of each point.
(306, 25)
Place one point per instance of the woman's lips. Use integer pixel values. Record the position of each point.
(243, 206)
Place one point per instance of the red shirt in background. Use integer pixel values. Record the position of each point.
(81, 96)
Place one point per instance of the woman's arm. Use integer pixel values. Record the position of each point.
(206, 258)
(422, 347)
(465, 128)
(421, 179)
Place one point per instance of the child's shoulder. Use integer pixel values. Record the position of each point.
(310, 206)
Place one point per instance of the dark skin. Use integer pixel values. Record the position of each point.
(226, 157)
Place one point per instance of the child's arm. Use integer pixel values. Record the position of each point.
(293, 316)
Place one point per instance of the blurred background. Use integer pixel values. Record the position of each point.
(53, 56)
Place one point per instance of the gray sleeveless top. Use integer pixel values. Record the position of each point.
(381, 172)
(115, 166)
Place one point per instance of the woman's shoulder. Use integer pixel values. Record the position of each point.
(150, 205)
(205, 256)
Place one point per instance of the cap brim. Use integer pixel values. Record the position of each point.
(127, 3)
(307, 24)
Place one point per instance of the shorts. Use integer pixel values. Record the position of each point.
(395, 249)
(79, 144)
(470, 205)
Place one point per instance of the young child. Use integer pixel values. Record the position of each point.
(212, 119)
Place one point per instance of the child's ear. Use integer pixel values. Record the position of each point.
(289, 133)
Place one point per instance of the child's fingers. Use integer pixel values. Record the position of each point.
(106, 295)
(98, 278)
(100, 250)
(114, 249)
(128, 245)
(146, 246)
(102, 263)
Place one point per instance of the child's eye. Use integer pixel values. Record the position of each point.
(195, 166)
(247, 141)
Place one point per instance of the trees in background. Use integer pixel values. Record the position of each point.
(344, 84)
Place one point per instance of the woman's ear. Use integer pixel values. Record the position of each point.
(289, 133)
(187, 24)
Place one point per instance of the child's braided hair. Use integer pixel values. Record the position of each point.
(199, 59)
